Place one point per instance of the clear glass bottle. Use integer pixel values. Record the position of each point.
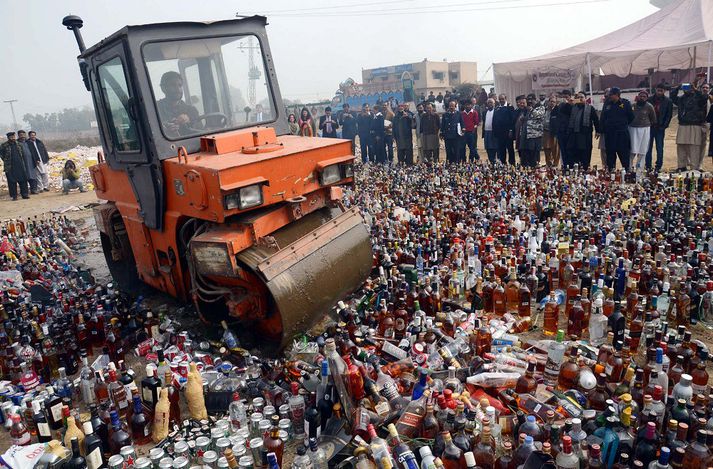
(597, 324)
(555, 355)
(566, 459)
(297, 411)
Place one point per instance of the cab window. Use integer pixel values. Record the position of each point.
(202, 86)
(117, 105)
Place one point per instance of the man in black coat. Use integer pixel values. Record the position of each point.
(614, 121)
(328, 124)
(377, 135)
(562, 113)
(503, 130)
(664, 111)
(451, 131)
(363, 121)
(349, 125)
(41, 159)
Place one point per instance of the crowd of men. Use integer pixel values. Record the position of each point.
(565, 126)
(25, 162)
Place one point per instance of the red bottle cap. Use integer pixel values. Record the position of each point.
(295, 388)
(658, 393)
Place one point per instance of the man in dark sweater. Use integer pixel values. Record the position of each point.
(451, 131)
(614, 121)
(664, 111)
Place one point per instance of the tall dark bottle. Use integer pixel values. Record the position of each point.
(119, 437)
(93, 447)
(77, 461)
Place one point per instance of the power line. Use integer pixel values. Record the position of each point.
(420, 10)
(351, 5)
(362, 5)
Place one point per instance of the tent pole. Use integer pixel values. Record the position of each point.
(589, 71)
(708, 69)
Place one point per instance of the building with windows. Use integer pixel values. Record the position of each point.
(427, 76)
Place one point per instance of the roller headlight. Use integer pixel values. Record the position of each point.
(330, 175)
(246, 197)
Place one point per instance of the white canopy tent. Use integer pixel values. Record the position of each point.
(677, 37)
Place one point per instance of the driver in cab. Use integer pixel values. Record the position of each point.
(177, 117)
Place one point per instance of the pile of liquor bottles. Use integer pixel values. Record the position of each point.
(513, 318)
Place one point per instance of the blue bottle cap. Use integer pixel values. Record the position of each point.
(664, 456)
(531, 418)
(528, 440)
(659, 355)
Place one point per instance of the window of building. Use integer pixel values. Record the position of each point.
(384, 78)
(437, 75)
(454, 75)
(416, 75)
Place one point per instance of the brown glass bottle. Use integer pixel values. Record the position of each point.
(524, 307)
(526, 383)
(452, 455)
(697, 455)
(615, 365)
(575, 319)
(430, 424)
(272, 441)
(569, 371)
(512, 293)
(499, 300)
(674, 373)
(506, 460)
(598, 396)
(551, 320)
(483, 451)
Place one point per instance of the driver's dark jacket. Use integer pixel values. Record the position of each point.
(168, 112)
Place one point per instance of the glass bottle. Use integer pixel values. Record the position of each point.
(18, 432)
(662, 462)
(527, 383)
(452, 456)
(140, 426)
(597, 398)
(378, 446)
(93, 448)
(150, 387)
(555, 355)
(569, 371)
(272, 442)
(297, 410)
(119, 437)
(566, 459)
(483, 451)
(401, 452)
(499, 299)
(77, 461)
(697, 454)
(646, 447)
(700, 375)
(238, 413)
(118, 394)
(86, 383)
(174, 399)
(551, 320)
(524, 450)
(506, 459)
(575, 318)
(430, 424)
(683, 389)
(597, 325)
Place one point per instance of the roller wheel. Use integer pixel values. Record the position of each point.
(123, 270)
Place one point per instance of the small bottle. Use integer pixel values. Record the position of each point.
(555, 355)
(18, 432)
(140, 425)
(317, 455)
(150, 387)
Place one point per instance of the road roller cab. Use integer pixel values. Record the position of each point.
(209, 198)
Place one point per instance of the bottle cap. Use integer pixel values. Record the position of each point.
(664, 456)
(87, 427)
(528, 440)
(469, 459)
(531, 418)
(425, 452)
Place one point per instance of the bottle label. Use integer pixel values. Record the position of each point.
(699, 389)
(43, 429)
(148, 394)
(154, 331)
(410, 419)
(382, 408)
(393, 350)
(94, 459)
(56, 412)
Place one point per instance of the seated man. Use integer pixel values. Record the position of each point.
(177, 117)
(70, 178)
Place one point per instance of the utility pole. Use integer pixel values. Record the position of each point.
(12, 109)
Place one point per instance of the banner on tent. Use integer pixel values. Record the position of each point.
(553, 79)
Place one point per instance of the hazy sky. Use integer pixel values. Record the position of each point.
(316, 44)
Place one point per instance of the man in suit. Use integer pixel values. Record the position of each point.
(327, 124)
(364, 130)
(377, 135)
(41, 159)
(348, 122)
(503, 130)
(451, 132)
(260, 114)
